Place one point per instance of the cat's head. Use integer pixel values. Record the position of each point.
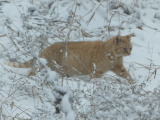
(122, 45)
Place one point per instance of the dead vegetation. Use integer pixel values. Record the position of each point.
(105, 98)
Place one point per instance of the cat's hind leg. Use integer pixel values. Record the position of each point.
(34, 71)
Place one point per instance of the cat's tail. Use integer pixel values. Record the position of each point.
(27, 64)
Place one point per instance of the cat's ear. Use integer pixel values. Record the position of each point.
(130, 35)
(118, 39)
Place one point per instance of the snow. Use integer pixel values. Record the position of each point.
(52, 76)
(66, 107)
(26, 28)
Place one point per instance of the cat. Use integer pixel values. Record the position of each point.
(92, 58)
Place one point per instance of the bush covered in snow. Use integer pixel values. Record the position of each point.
(27, 27)
(118, 101)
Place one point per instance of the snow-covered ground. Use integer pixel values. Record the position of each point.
(28, 26)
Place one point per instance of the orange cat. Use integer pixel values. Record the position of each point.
(86, 58)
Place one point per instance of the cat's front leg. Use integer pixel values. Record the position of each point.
(121, 71)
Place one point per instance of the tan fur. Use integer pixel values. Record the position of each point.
(89, 58)
(27, 64)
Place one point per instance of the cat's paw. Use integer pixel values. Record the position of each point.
(131, 81)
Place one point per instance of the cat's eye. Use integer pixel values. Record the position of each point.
(130, 48)
(124, 49)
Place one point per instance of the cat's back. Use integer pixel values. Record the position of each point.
(73, 46)
(85, 45)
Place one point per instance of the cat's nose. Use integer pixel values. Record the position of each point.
(128, 52)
